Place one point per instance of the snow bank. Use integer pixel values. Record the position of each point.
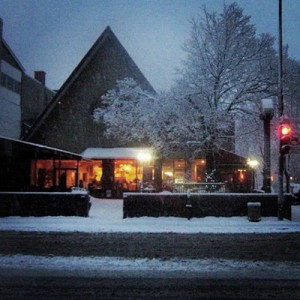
(107, 216)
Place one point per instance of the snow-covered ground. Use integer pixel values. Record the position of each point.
(144, 267)
(107, 216)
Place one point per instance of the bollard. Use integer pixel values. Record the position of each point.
(188, 205)
(254, 211)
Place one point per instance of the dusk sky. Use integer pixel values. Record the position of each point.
(54, 35)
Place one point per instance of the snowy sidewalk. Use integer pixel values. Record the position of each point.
(107, 216)
(147, 268)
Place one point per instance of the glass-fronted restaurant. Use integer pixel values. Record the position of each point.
(27, 166)
(109, 172)
(106, 172)
(133, 169)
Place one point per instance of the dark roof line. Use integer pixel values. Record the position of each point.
(43, 147)
(13, 55)
(233, 153)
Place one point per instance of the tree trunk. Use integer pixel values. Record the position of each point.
(158, 174)
(108, 179)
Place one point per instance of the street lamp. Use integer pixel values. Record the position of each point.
(144, 157)
(267, 115)
(253, 163)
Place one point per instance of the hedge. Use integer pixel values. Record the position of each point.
(200, 205)
(44, 204)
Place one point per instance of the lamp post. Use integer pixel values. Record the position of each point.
(143, 157)
(267, 115)
(252, 163)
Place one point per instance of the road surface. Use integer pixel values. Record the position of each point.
(19, 279)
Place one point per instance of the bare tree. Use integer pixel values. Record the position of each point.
(228, 69)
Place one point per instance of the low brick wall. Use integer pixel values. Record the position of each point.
(44, 204)
(200, 205)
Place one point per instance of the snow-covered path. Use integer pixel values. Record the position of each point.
(107, 216)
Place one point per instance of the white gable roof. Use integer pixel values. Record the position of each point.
(114, 153)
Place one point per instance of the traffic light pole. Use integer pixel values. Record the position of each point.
(285, 132)
(280, 110)
(280, 186)
(280, 73)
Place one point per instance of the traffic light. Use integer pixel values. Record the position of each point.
(285, 132)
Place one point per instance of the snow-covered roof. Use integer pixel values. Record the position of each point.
(114, 153)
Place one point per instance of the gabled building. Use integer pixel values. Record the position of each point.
(67, 122)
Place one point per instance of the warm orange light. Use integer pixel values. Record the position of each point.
(242, 176)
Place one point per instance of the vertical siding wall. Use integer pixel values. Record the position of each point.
(10, 103)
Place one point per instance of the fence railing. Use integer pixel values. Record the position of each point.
(200, 187)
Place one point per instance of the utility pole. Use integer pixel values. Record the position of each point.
(280, 111)
(280, 72)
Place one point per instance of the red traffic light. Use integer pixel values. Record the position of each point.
(285, 130)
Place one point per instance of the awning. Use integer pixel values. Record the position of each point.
(115, 153)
